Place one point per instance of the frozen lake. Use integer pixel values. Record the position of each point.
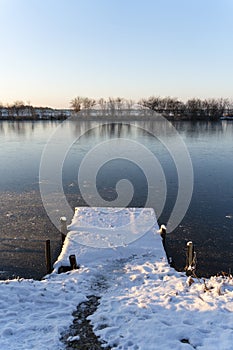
(25, 225)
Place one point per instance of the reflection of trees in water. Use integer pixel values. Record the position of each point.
(100, 129)
(2, 128)
(25, 127)
(106, 129)
(190, 128)
(149, 128)
(119, 129)
(18, 128)
(199, 128)
(111, 129)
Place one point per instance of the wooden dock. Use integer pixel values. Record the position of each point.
(97, 234)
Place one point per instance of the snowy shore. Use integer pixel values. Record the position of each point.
(144, 303)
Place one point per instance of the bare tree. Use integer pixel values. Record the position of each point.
(87, 102)
(194, 108)
(76, 103)
(79, 103)
(223, 105)
(153, 102)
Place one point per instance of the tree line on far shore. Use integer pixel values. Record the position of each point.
(170, 107)
(20, 111)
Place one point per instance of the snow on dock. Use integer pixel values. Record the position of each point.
(144, 304)
(99, 234)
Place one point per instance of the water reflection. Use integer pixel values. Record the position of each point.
(195, 129)
(22, 128)
(126, 129)
(117, 129)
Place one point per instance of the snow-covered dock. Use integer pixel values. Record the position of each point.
(99, 234)
(144, 303)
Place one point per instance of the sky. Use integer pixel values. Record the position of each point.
(55, 50)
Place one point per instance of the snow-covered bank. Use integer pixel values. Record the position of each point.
(153, 307)
(34, 313)
(144, 304)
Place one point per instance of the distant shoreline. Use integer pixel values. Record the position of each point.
(32, 119)
(85, 108)
(29, 113)
(111, 119)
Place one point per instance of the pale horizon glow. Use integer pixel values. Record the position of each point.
(53, 51)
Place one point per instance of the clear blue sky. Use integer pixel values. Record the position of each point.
(54, 50)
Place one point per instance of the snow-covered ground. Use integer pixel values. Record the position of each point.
(145, 304)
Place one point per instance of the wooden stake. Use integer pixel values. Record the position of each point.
(190, 253)
(63, 228)
(163, 232)
(190, 259)
(73, 262)
(48, 256)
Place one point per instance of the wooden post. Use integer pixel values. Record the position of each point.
(163, 232)
(48, 256)
(189, 253)
(73, 262)
(190, 259)
(63, 228)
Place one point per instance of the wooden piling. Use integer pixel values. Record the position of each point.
(73, 262)
(48, 256)
(189, 253)
(163, 232)
(190, 259)
(63, 228)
